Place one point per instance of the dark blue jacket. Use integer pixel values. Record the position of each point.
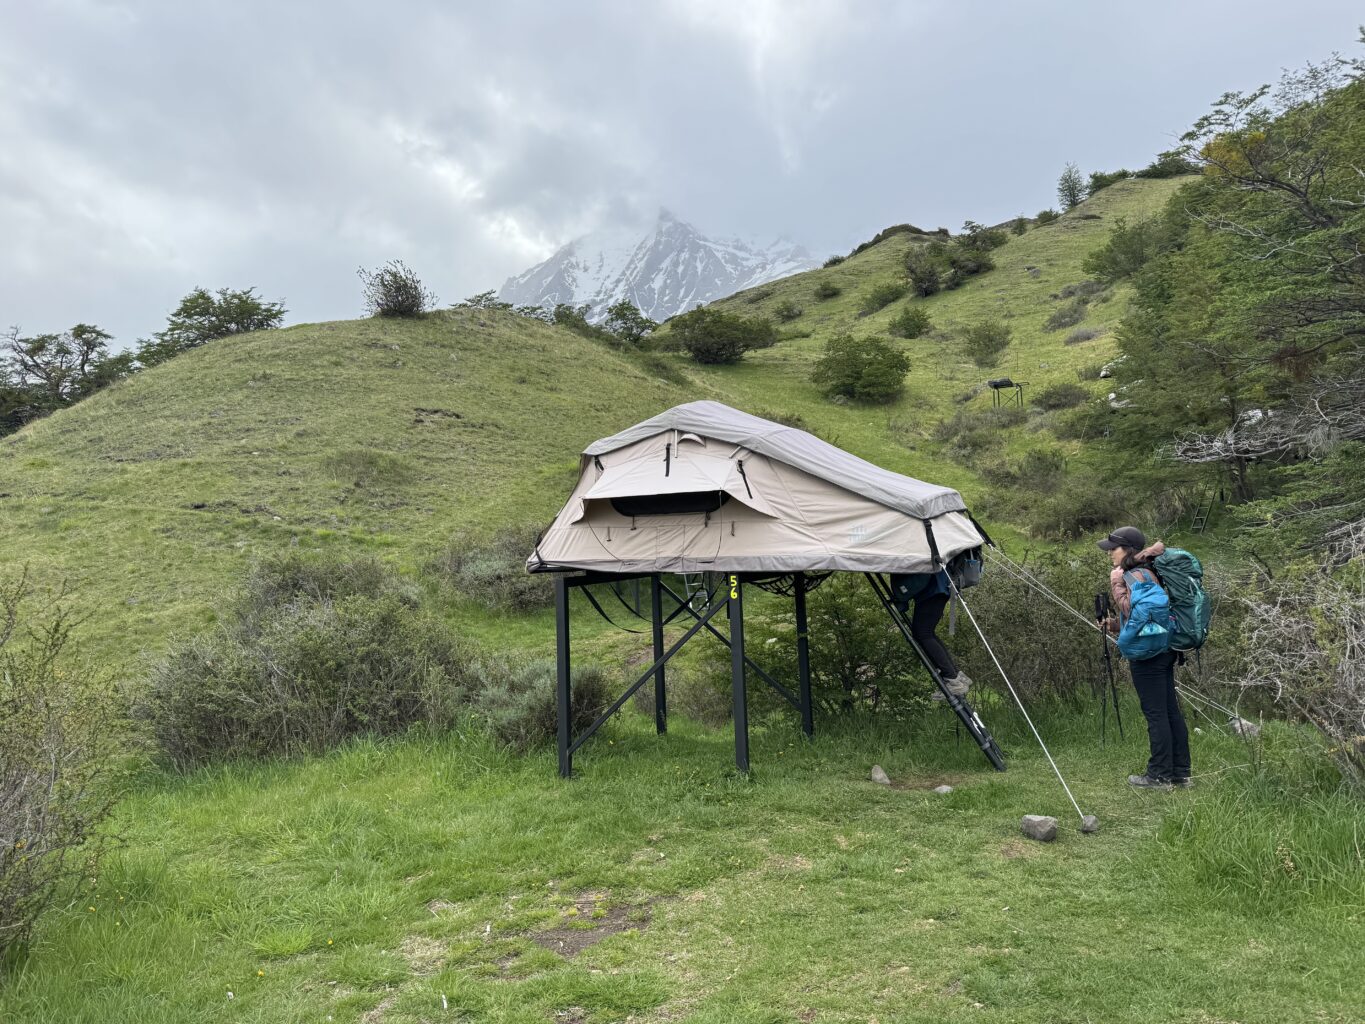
(907, 587)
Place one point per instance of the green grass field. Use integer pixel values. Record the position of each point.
(445, 880)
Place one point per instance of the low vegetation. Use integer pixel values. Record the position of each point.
(986, 341)
(863, 369)
(713, 337)
(395, 290)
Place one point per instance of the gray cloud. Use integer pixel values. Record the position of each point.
(150, 147)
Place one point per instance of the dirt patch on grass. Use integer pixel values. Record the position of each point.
(1017, 848)
(591, 922)
(422, 954)
(781, 862)
(381, 1011)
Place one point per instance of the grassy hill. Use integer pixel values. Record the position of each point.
(149, 498)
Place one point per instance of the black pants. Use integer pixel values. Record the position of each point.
(1154, 680)
(928, 614)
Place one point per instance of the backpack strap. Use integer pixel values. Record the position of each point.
(1141, 574)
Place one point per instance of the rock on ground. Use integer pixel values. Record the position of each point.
(1242, 727)
(879, 776)
(1039, 826)
(943, 790)
(1089, 824)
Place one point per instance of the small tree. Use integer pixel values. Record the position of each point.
(627, 322)
(924, 265)
(46, 372)
(986, 341)
(1046, 216)
(882, 295)
(1020, 225)
(866, 369)
(827, 290)
(395, 290)
(489, 300)
(787, 311)
(911, 322)
(712, 336)
(204, 316)
(1070, 187)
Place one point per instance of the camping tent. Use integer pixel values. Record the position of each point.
(707, 487)
(703, 487)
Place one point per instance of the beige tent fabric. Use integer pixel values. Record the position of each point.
(783, 501)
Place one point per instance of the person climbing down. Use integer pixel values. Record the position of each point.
(1153, 675)
(930, 592)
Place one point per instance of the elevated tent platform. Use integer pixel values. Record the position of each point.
(706, 488)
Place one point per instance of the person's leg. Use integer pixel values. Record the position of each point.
(923, 625)
(1150, 682)
(1180, 734)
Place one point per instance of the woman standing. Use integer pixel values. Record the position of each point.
(1153, 677)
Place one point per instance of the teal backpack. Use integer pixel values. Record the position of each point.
(1147, 631)
(1183, 577)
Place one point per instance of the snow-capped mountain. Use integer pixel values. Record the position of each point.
(671, 269)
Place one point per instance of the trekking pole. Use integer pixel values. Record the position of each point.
(1102, 612)
(1104, 658)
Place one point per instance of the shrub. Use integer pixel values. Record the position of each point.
(1066, 316)
(924, 265)
(1081, 289)
(986, 340)
(911, 322)
(978, 236)
(881, 296)
(833, 261)
(787, 311)
(1100, 180)
(395, 290)
(627, 323)
(712, 336)
(865, 369)
(1046, 216)
(860, 662)
(1129, 247)
(1083, 505)
(885, 233)
(1060, 396)
(757, 295)
(1019, 225)
(968, 260)
(827, 290)
(489, 300)
(517, 700)
(696, 693)
(575, 318)
(1170, 164)
(58, 760)
(494, 573)
(970, 433)
(1081, 334)
(311, 653)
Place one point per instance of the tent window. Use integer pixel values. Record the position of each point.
(681, 503)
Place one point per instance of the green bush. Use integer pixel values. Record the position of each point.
(882, 295)
(1019, 225)
(787, 311)
(1060, 396)
(712, 336)
(912, 322)
(517, 700)
(1081, 334)
(311, 653)
(833, 261)
(1170, 164)
(969, 433)
(395, 290)
(1100, 180)
(1129, 247)
(59, 755)
(1066, 316)
(1082, 506)
(1046, 216)
(757, 295)
(860, 662)
(885, 233)
(694, 692)
(925, 265)
(203, 316)
(865, 369)
(986, 341)
(827, 290)
(493, 572)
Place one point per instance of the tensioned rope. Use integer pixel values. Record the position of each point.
(1021, 574)
(1015, 694)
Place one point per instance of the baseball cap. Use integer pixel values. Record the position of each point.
(1124, 537)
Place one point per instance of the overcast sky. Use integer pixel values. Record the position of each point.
(150, 147)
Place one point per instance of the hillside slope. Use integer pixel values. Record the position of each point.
(150, 497)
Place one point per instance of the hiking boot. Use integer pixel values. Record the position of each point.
(1147, 782)
(957, 686)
